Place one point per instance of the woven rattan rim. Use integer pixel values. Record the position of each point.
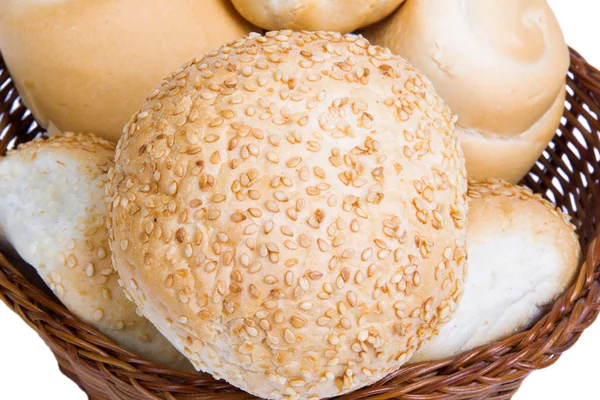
(568, 174)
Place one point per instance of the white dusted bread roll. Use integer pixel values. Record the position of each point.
(499, 64)
(523, 253)
(87, 66)
(290, 227)
(315, 15)
(54, 214)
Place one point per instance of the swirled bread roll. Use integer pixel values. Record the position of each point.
(54, 214)
(500, 65)
(315, 15)
(523, 253)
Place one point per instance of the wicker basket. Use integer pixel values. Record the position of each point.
(568, 174)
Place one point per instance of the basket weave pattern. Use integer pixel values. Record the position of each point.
(568, 174)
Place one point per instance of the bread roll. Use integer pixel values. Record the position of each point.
(291, 220)
(511, 158)
(500, 65)
(523, 253)
(54, 214)
(87, 66)
(315, 15)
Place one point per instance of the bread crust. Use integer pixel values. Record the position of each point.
(315, 15)
(87, 66)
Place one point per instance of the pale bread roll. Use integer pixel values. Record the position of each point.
(87, 66)
(500, 65)
(54, 214)
(523, 253)
(511, 158)
(290, 228)
(315, 15)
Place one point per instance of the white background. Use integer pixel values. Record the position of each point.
(24, 356)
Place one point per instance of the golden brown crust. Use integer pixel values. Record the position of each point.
(491, 188)
(510, 158)
(98, 147)
(281, 209)
(315, 15)
(87, 66)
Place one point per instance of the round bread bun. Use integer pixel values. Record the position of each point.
(87, 66)
(523, 253)
(499, 65)
(315, 15)
(297, 193)
(54, 215)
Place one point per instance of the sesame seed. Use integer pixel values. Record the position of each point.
(297, 322)
(279, 317)
(366, 254)
(55, 277)
(98, 315)
(90, 270)
(251, 229)
(322, 244)
(293, 162)
(71, 261)
(348, 253)
(251, 331)
(304, 241)
(289, 336)
(272, 206)
(272, 157)
(280, 196)
(188, 250)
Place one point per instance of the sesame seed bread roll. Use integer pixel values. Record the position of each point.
(523, 253)
(294, 205)
(87, 66)
(500, 65)
(54, 215)
(315, 15)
